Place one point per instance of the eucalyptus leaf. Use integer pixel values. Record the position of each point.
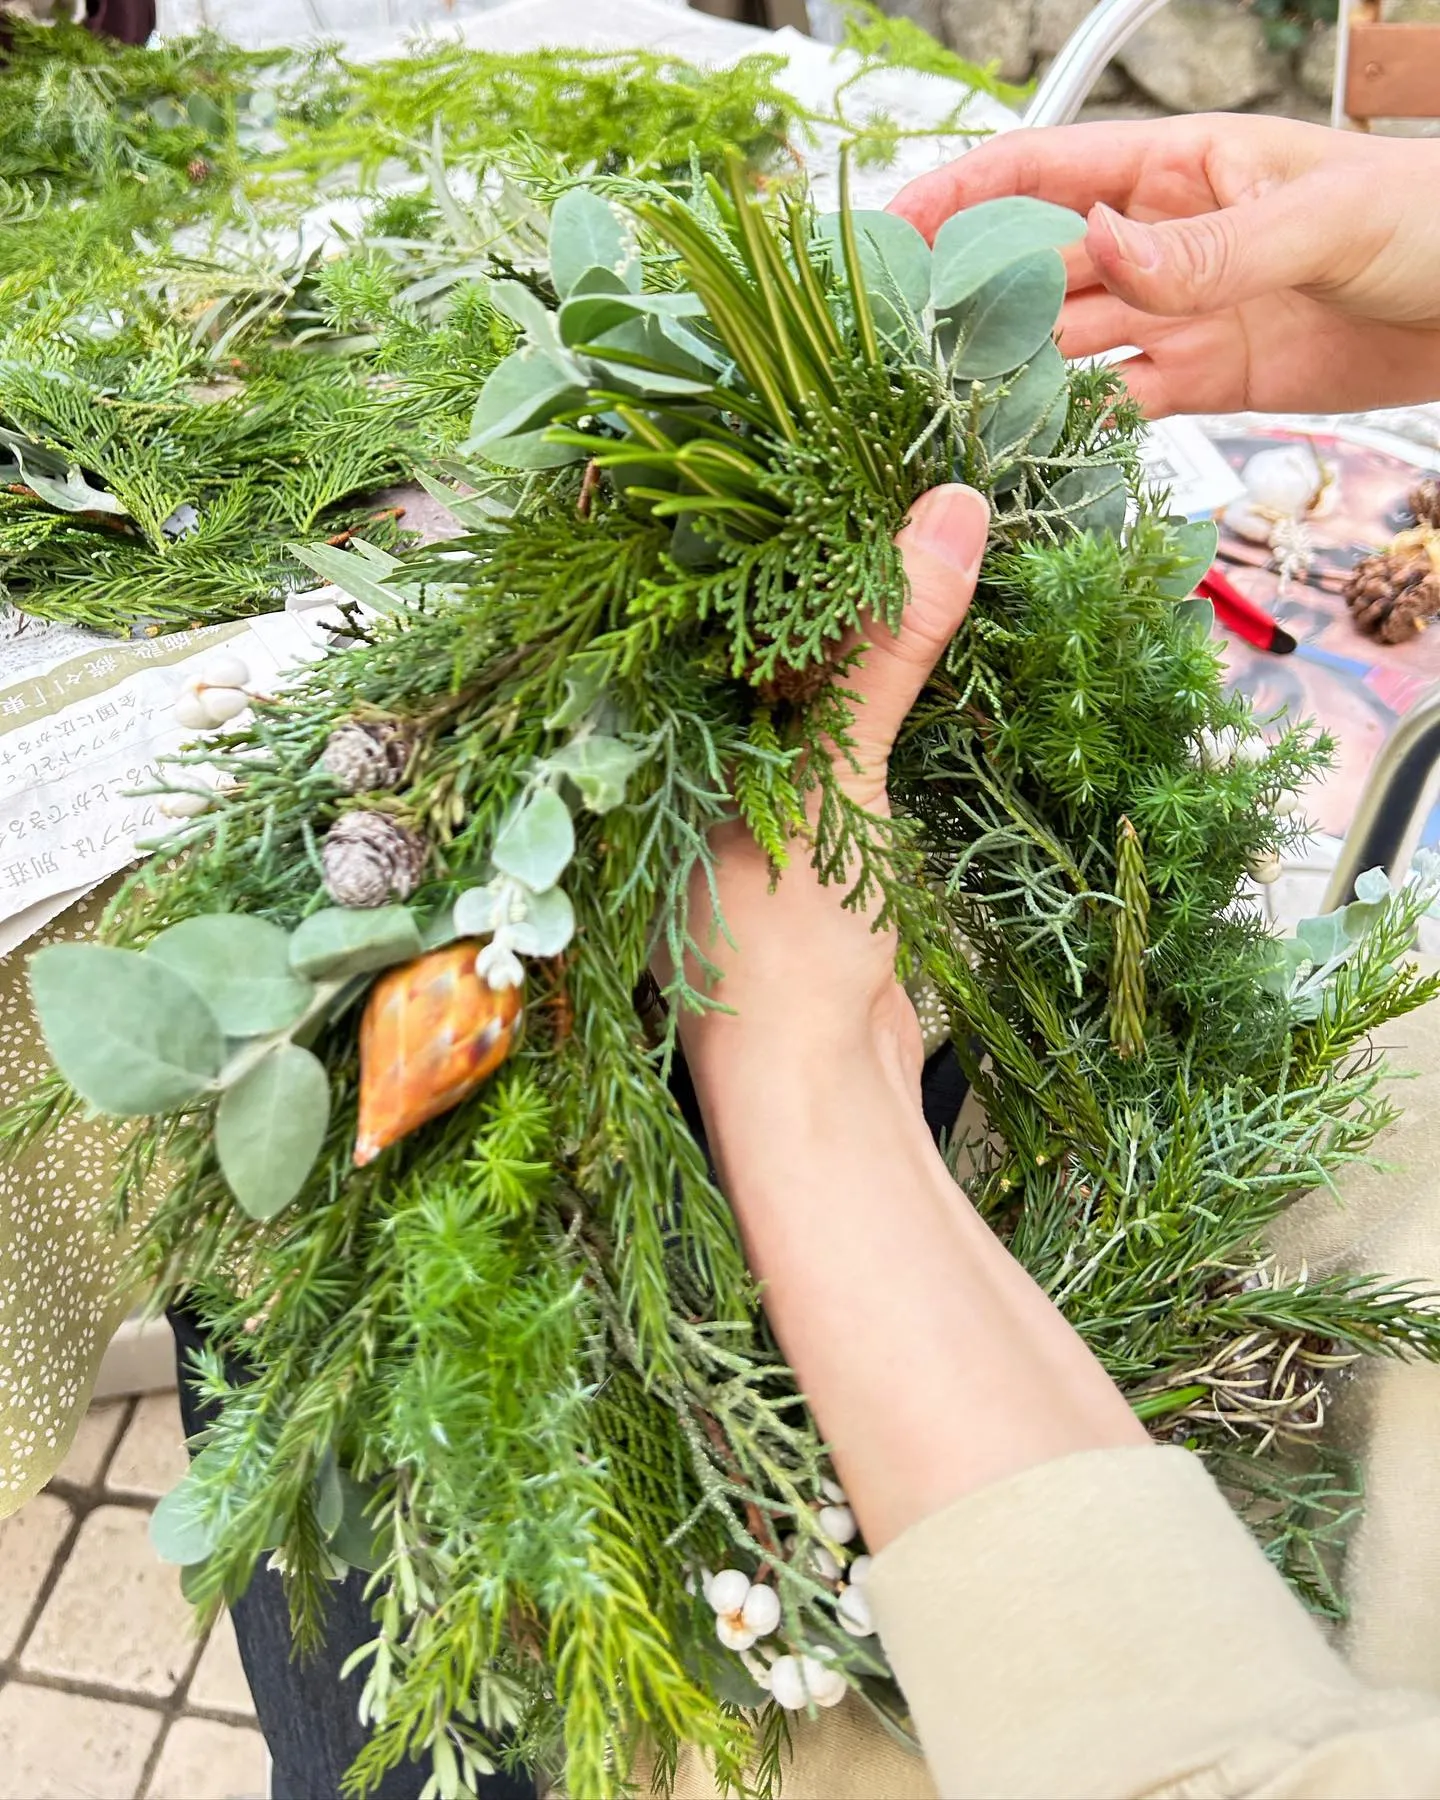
(129, 1035)
(1197, 612)
(586, 232)
(584, 317)
(584, 686)
(524, 391)
(192, 1580)
(72, 495)
(181, 1530)
(548, 924)
(596, 280)
(1373, 885)
(1361, 917)
(205, 114)
(329, 1495)
(354, 1538)
(1029, 417)
(1092, 499)
(676, 372)
(1324, 938)
(1005, 322)
(269, 1128)
(240, 966)
(522, 307)
(341, 941)
(599, 766)
(537, 841)
(529, 450)
(479, 911)
(1197, 542)
(440, 929)
(975, 245)
(894, 262)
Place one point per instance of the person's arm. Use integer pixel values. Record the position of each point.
(1256, 263)
(1068, 1608)
(931, 1360)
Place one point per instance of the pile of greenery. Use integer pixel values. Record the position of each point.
(223, 375)
(514, 1363)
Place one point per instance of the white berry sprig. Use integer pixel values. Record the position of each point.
(745, 1610)
(215, 695)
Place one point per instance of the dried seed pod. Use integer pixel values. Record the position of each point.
(433, 1031)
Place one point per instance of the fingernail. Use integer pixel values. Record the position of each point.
(1137, 243)
(950, 523)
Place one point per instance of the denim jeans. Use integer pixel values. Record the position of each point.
(307, 1712)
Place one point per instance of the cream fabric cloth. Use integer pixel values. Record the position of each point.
(1104, 1626)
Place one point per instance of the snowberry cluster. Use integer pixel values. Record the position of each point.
(747, 1612)
(1222, 749)
(209, 699)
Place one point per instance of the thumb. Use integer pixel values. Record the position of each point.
(940, 543)
(1284, 239)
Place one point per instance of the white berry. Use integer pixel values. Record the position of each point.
(224, 670)
(853, 1610)
(184, 803)
(1286, 806)
(728, 1591)
(761, 1611)
(223, 703)
(860, 1569)
(832, 1490)
(733, 1633)
(800, 1681)
(191, 713)
(1264, 868)
(837, 1522)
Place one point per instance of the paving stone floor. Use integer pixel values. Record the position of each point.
(106, 1692)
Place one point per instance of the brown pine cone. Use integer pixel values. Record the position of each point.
(1394, 594)
(371, 859)
(1425, 502)
(361, 758)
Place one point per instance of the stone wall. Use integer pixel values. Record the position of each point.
(1193, 56)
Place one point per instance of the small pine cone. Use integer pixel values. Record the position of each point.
(362, 759)
(198, 170)
(1394, 595)
(1425, 503)
(371, 859)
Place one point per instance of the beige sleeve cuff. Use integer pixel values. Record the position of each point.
(1104, 1625)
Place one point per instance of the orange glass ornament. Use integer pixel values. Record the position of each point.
(431, 1034)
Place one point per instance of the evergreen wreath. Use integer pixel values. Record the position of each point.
(481, 1319)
